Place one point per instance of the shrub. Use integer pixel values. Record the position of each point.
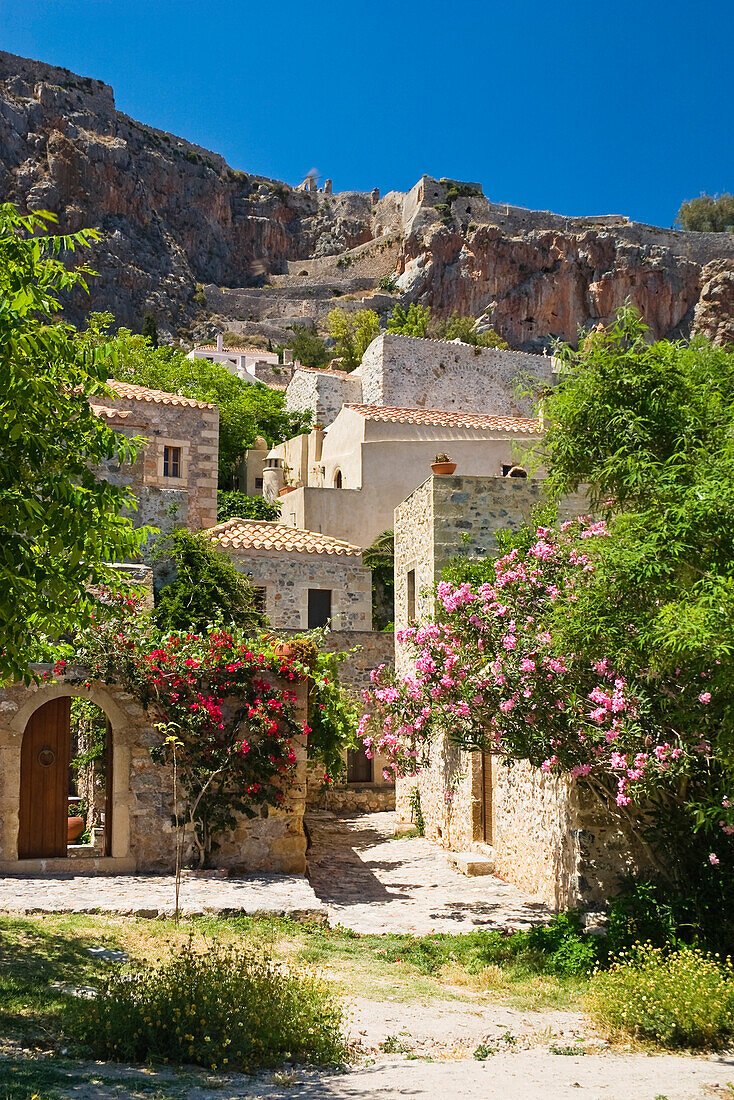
(682, 999)
(223, 1007)
(707, 214)
(233, 503)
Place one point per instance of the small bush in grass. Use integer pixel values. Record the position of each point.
(224, 1007)
(681, 999)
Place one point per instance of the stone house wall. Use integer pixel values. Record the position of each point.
(548, 834)
(322, 392)
(189, 500)
(287, 577)
(409, 372)
(457, 517)
(143, 837)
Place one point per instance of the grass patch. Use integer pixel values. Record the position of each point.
(37, 953)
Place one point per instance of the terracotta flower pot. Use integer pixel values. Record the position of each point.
(441, 469)
(285, 490)
(75, 826)
(285, 650)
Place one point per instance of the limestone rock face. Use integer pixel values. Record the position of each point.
(543, 284)
(714, 313)
(172, 214)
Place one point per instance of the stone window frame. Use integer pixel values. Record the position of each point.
(159, 478)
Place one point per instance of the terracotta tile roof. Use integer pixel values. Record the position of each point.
(234, 351)
(125, 415)
(519, 424)
(250, 534)
(155, 397)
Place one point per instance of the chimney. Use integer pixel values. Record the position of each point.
(220, 342)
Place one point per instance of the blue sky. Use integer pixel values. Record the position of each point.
(581, 108)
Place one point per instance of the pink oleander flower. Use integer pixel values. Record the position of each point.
(705, 697)
(714, 859)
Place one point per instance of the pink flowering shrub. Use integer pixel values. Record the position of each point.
(495, 675)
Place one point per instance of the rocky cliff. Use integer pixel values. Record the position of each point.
(173, 215)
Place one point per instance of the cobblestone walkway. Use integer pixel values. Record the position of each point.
(372, 881)
(153, 895)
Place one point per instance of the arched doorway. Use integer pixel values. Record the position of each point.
(65, 802)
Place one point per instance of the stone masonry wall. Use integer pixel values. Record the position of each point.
(196, 432)
(409, 372)
(323, 393)
(458, 517)
(549, 835)
(287, 578)
(142, 833)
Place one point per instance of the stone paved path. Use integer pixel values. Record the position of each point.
(372, 881)
(153, 895)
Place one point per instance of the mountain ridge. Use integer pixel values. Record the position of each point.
(180, 229)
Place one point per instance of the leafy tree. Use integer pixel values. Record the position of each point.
(61, 525)
(232, 502)
(461, 328)
(353, 333)
(307, 346)
(246, 409)
(380, 558)
(204, 588)
(150, 329)
(412, 323)
(708, 214)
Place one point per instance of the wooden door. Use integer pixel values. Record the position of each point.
(487, 797)
(44, 781)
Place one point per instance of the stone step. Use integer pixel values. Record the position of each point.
(479, 861)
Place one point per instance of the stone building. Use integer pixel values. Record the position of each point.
(545, 833)
(304, 579)
(349, 480)
(410, 372)
(174, 478)
(138, 834)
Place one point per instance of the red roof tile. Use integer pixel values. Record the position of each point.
(522, 425)
(156, 397)
(248, 534)
(108, 413)
(234, 351)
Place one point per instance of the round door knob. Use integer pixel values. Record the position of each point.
(46, 756)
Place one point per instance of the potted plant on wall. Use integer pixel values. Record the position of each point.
(288, 486)
(75, 824)
(442, 465)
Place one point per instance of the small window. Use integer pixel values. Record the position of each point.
(338, 479)
(411, 594)
(359, 767)
(172, 462)
(319, 607)
(258, 483)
